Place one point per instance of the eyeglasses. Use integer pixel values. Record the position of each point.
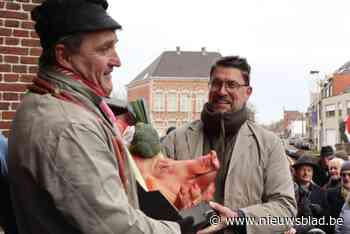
(345, 174)
(230, 85)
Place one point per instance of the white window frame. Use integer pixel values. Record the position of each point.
(347, 104)
(330, 107)
(200, 100)
(185, 102)
(172, 102)
(158, 101)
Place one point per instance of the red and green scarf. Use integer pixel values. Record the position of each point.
(65, 85)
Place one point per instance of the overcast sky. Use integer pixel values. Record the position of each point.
(282, 39)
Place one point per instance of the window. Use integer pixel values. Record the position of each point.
(200, 101)
(340, 105)
(158, 101)
(185, 103)
(330, 114)
(340, 108)
(172, 124)
(172, 102)
(330, 111)
(159, 124)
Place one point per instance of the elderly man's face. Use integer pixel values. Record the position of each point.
(303, 174)
(97, 58)
(227, 91)
(334, 171)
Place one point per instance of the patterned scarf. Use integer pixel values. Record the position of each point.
(220, 135)
(65, 85)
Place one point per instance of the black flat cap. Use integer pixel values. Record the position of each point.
(327, 151)
(58, 18)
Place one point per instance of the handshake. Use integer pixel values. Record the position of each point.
(199, 219)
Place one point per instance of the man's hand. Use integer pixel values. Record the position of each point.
(224, 212)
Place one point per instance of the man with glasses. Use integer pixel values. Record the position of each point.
(254, 178)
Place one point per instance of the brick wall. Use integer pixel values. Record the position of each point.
(289, 116)
(139, 91)
(340, 83)
(163, 120)
(19, 52)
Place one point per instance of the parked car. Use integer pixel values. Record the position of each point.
(292, 140)
(303, 143)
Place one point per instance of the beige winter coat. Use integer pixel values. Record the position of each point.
(64, 174)
(258, 181)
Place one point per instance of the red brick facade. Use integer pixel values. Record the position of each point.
(19, 52)
(194, 88)
(141, 90)
(340, 83)
(289, 116)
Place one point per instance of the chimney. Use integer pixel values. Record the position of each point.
(178, 50)
(204, 52)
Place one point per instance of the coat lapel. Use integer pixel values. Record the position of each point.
(241, 148)
(194, 139)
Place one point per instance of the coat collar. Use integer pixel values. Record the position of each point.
(195, 136)
(244, 143)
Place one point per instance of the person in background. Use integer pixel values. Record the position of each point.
(344, 227)
(321, 175)
(7, 218)
(335, 165)
(168, 131)
(336, 196)
(3, 155)
(311, 199)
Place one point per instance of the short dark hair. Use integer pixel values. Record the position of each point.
(233, 62)
(170, 129)
(71, 42)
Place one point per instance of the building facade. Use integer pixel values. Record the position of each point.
(174, 86)
(293, 123)
(329, 108)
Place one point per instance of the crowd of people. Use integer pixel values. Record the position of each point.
(321, 190)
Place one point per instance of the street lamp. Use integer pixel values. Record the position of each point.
(315, 98)
(312, 72)
(316, 104)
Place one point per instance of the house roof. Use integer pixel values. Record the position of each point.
(175, 64)
(345, 69)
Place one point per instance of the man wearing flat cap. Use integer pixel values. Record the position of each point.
(321, 175)
(311, 199)
(68, 168)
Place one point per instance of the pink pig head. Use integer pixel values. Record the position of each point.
(183, 182)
